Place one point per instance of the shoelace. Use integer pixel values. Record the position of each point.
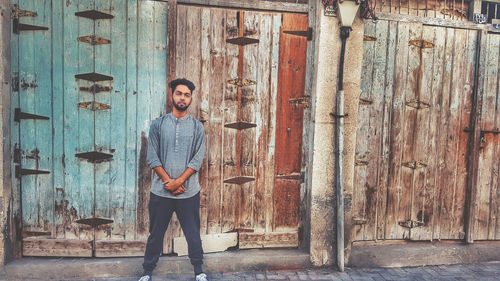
(145, 278)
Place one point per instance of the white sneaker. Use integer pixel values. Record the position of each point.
(201, 277)
(146, 278)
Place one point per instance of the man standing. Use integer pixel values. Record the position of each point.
(176, 148)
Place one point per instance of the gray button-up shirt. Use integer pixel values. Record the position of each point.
(176, 144)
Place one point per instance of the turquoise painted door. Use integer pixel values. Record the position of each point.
(90, 75)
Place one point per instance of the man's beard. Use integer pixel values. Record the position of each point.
(180, 108)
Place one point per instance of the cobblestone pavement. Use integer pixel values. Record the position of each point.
(480, 271)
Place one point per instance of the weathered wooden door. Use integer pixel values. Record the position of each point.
(94, 73)
(412, 144)
(486, 220)
(249, 68)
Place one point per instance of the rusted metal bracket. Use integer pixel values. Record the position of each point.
(239, 180)
(95, 156)
(17, 13)
(292, 176)
(418, 104)
(23, 172)
(302, 101)
(304, 33)
(94, 77)
(414, 165)
(242, 41)
(15, 82)
(339, 116)
(93, 105)
(240, 82)
(421, 43)
(358, 221)
(411, 223)
(28, 233)
(365, 101)
(369, 38)
(94, 15)
(240, 125)
(94, 222)
(96, 88)
(94, 40)
(18, 27)
(18, 115)
(360, 163)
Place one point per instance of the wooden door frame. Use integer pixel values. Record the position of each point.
(310, 77)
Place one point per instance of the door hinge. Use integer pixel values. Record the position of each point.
(422, 43)
(411, 223)
(15, 82)
(304, 33)
(293, 176)
(302, 100)
(414, 164)
(18, 115)
(17, 26)
(94, 222)
(17, 155)
(23, 172)
(94, 15)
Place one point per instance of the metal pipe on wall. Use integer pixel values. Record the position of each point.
(339, 144)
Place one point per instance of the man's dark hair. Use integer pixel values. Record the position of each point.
(182, 81)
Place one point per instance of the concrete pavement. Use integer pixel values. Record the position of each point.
(480, 271)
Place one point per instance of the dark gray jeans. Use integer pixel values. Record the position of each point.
(160, 213)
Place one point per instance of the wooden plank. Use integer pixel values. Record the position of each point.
(58, 156)
(386, 135)
(172, 50)
(443, 158)
(431, 21)
(372, 191)
(104, 189)
(395, 192)
(269, 181)
(229, 146)
(16, 215)
(215, 123)
(212, 243)
(291, 82)
(84, 199)
(117, 128)
(494, 144)
(204, 93)
(452, 222)
(144, 117)
(422, 201)
(360, 171)
(268, 240)
(120, 248)
(263, 92)
(66, 210)
(487, 160)
(475, 137)
(131, 143)
(27, 128)
(43, 106)
(57, 247)
(411, 92)
(252, 4)
(428, 198)
(248, 110)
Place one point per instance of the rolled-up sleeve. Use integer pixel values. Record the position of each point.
(199, 148)
(153, 155)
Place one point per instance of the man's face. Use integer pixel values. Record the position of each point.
(181, 97)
